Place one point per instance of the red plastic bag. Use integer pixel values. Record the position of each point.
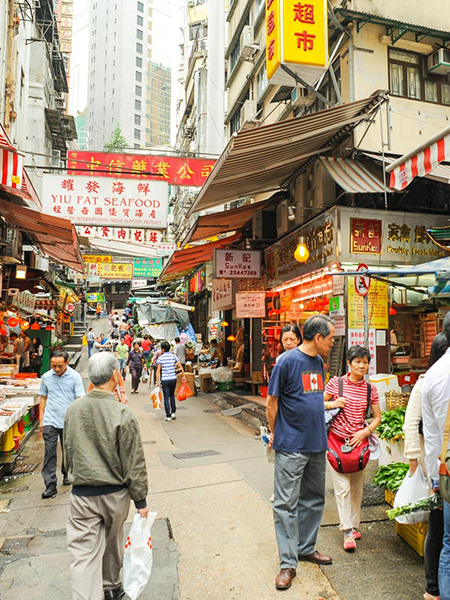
(184, 392)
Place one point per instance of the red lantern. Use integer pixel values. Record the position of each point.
(35, 327)
(392, 311)
(13, 322)
(3, 331)
(24, 325)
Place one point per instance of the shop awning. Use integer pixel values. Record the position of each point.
(268, 157)
(56, 237)
(35, 277)
(182, 262)
(355, 176)
(440, 173)
(421, 161)
(116, 248)
(226, 221)
(440, 268)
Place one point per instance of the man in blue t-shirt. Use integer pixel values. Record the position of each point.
(296, 417)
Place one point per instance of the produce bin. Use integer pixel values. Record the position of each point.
(389, 497)
(413, 535)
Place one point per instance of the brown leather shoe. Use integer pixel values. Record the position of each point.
(284, 579)
(316, 558)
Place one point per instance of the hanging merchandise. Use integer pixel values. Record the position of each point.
(13, 322)
(35, 326)
(24, 325)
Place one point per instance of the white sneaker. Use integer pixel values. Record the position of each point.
(173, 417)
(167, 418)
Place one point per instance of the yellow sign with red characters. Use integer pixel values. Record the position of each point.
(296, 37)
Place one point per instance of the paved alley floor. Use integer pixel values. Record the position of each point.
(210, 484)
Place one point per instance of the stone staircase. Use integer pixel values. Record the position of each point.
(75, 344)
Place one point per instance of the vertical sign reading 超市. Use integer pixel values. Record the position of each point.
(273, 36)
(305, 32)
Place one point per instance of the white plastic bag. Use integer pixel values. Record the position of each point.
(138, 556)
(413, 488)
(156, 397)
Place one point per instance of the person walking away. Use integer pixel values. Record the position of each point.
(415, 452)
(122, 351)
(17, 343)
(128, 340)
(352, 394)
(136, 365)
(180, 352)
(435, 402)
(296, 418)
(37, 352)
(123, 327)
(98, 311)
(106, 466)
(59, 388)
(90, 341)
(26, 354)
(166, 375)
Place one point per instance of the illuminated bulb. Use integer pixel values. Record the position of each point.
(301, 306)
(224, 324)
(301, 253)
(231, 338)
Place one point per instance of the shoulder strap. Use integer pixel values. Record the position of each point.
(369, 393)
(340, 387)
(446, 434)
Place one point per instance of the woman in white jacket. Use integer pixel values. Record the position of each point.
(415, 453)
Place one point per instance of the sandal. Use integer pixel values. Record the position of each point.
(349, 544)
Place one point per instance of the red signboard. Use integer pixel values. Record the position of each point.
(365, 236)
(175, 170)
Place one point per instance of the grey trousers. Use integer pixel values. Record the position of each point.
(95, 542)
(51, 435)
(299, 499)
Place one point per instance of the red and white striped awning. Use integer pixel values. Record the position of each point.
(11, 169)
(421, 161)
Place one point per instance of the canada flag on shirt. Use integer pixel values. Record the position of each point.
(312, 382)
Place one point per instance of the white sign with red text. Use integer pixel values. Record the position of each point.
(238, 264)
(106, 202)
(122, 234)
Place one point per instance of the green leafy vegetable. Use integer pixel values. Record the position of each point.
(391, 476)
(391, 426)
(430, 503)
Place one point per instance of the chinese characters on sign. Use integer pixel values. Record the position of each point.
(173, 170)
(147, 267)
(101, 201)
(116, 271)
(273, 36)
(378, 306)
(365, 236)
(251, 305)
(223, 294)
(122, 234)
(96, 258)
(238, 264)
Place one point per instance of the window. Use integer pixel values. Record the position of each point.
(137, 105)
(137, 119)
(138, 62)
(138, 90)
(140, 7)
(138, 76)
(140, 21)
(409, 78)
(140, 34)
(139, 48)
(234, 56)
(261, 82)
(235, 122)
(137, 134)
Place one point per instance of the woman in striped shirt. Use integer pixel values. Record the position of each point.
(350, 423)
(167, 376)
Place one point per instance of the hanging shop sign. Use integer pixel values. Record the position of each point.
(25, 300)
(94, 258)
(237, 264)
(106, 202)
(197, 283)
(147, 267)
(116, 271)
(365, 236)
(137, 284)
(321, 241)
(356, 338)
(175, 170)
(297, 38)
(377, 309)
(337, 306)
(251, 305)
(122, 234)
(70, 307)
(95, 297)
(223, 294)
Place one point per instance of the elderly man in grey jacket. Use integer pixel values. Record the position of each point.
(105, 462)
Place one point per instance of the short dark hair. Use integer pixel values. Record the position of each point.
(165, 346)
(60, 354)
(214, 342)
(177, 340)
(90, 329)
(438, 347)
(317, 324)
(292, 328)
(11, 335)
(358, 352)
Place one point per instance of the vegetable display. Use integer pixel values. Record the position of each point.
(430, 503)
(391, 426)
(391, 476)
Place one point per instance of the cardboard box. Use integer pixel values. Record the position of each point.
(190, 380)
(207, 384)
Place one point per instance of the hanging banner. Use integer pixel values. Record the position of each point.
(106, 202)
(147, 267)
(175, 170)
(116, 271)
(122, 234)
(95, 297)
(237, 264)
(251, 305)
(223, 295)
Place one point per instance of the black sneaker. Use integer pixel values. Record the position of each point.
(66, 481)
(49, 492)
(115, 594)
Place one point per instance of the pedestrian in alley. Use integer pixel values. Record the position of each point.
(135, 363)
(37, 351)
(26, 353)
(121, 353)
(290, 338)
(59, 388)
(105, 460)
(353, 395)
(98, 311)
(180, 352)
(17, 343)
(166, 375)
(90, 341)
(296, 417)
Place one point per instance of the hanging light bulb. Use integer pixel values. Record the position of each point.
(301, 253)
(224, 324)
(231, 338)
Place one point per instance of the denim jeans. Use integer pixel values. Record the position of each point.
(122, 364)
(168, 388)
(444, 561)
(433, 547)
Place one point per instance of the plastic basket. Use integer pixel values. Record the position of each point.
(396, 400)
(225, 386)
(413, 535)
(389, 497)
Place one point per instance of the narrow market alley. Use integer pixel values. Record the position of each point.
(211, 485)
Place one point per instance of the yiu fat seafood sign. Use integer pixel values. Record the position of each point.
(104, 201)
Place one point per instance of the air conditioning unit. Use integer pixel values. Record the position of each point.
(247, 42)
(439, 62)
(248, 111)
(282, 218)
(302, 97)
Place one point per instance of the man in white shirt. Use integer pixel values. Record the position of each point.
(435, 402)
(180, 352)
